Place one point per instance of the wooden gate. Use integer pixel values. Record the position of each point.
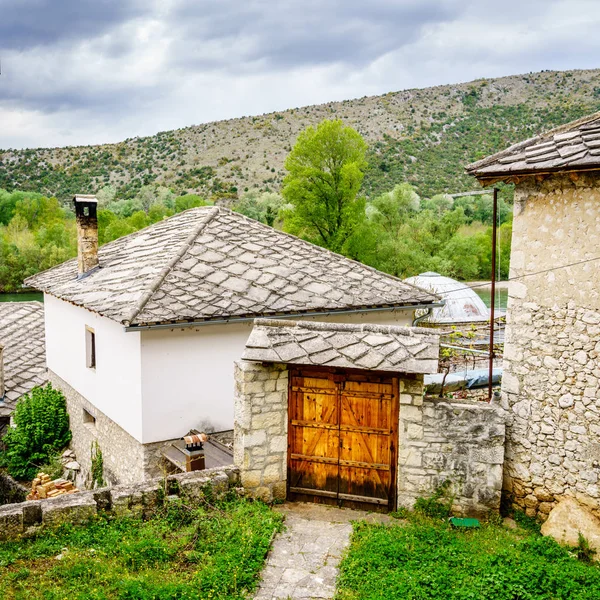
(342, 437)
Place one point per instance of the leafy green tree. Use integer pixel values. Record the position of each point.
(325, 172)
(189, 201)
(264, 207)
(393, 209)
(41, 430)
(106, 195)
(38, 210)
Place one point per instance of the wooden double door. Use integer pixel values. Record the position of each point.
(343, 437)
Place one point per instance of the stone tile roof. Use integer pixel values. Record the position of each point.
(359, 346)
(571, 147)
(22, 335)
(212, 263)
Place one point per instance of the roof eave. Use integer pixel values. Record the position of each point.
(295, 315)
(491, 177)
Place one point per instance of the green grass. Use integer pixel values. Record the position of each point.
(427, 560)
(208, 553)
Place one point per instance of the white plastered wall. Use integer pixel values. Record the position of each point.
(188, 374)
(115, 385)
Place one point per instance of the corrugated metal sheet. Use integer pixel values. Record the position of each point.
(463, 305)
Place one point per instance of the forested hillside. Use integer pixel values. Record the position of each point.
(423, 137)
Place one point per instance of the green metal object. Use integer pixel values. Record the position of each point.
(464, 523)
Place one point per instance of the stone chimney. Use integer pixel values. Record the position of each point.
(87, 234)
(1, 372)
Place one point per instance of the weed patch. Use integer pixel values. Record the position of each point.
(427, 560)
(184, 553)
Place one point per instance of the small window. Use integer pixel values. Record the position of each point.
(89, 420)
(90, 348)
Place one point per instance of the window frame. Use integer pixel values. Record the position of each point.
(90, 348)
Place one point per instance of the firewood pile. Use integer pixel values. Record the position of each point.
(43, 487)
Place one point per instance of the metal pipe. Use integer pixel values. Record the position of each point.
(289, 316)
(493, 299)
(422, 317)
(472, 350)
(475, 193)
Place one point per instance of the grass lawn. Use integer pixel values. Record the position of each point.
(201, 553)
(426, 559)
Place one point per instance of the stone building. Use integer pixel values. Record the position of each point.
(551, 378)
(335, 413)
(142, 334)
(22, 354)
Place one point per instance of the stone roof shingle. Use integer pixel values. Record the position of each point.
(571, 147)
(359, 346)
(22, 335)
(212, 263)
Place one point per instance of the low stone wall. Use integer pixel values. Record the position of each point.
(260, 428)
(27, 518)
(11, 490)
(437, 441)
(460, 443)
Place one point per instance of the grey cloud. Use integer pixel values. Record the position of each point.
(29, 23)
(115, 68)
(288, 34)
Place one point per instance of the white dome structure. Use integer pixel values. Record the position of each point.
(462, 305)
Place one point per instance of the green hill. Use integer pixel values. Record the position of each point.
(423, 136)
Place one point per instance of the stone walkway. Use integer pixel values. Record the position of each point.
(303, 562)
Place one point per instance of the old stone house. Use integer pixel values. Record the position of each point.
(551, 380)
(142, 334)
(22, 354)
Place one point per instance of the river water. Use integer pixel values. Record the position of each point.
(24, 297)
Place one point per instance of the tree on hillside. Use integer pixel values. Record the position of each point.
(325, 172)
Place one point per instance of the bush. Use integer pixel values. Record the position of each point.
(41, 431)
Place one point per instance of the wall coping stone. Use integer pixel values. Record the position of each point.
(23, 519)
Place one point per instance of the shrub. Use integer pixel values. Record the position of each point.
(41, 430)
(438, 505)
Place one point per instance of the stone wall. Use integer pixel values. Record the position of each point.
(11, 490)
(551, 380)
(260, 428)
(457, 442)
(437, 441)
(125, 459)
(27, 518)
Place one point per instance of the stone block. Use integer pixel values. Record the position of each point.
(568, 519)
(32, 513)
(272, 474)
(267, 419)
(76, 509)
(220, 485)
(102, 498)
(489, 456)
(11, 521)
(414, 432)
(263, 493)
(256, 438)
(411, 413)
(278, 443)
(279, 490)
(251, 479)
(120, 499)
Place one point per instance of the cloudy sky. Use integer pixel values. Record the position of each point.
(81, 72)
